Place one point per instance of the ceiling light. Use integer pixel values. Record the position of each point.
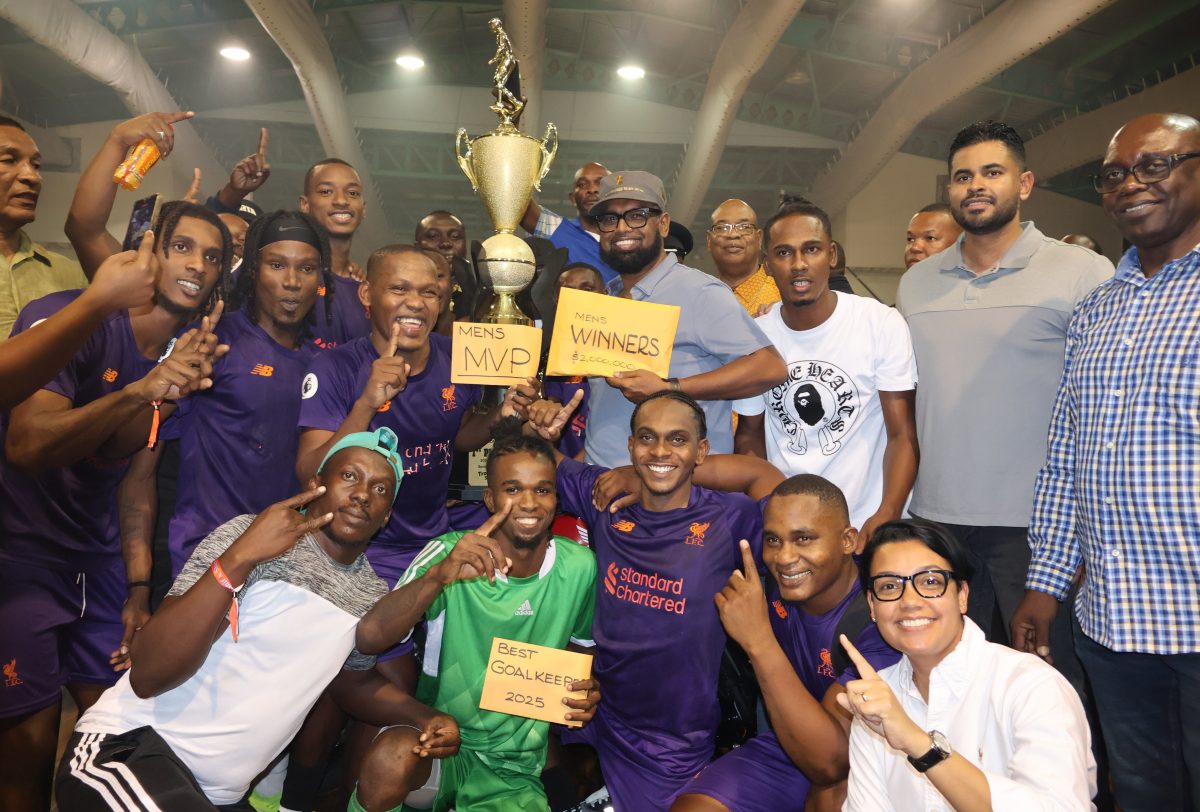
(235, 52)
(410, 61)
(631, 72)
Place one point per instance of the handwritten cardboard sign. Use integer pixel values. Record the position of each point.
(494, 354)
(599, 335)
(528, 680)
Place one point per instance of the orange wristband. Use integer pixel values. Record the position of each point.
(223, 579)
(154, 425)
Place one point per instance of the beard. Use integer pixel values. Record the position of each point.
(175, 308)
(1003, 213)
(635, 261)
(519, 543)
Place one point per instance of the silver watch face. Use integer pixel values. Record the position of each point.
(941, 743)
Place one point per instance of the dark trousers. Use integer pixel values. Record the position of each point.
(1001, 557)
(1149, 709)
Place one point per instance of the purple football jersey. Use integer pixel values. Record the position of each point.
(349, 316)
(575, 432)
(759, 774)
(238, 439)
(425, 416)
(658, 636)
(808, 641)
(66, 518)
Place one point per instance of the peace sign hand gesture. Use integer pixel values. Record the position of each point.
(872, 702)
(275, 531)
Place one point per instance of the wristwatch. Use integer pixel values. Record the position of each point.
(936, 755)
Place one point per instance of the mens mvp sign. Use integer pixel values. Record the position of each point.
(494, 354)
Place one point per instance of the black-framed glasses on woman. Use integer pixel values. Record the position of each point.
(927, 584)
(634, 218)
(1151, 170)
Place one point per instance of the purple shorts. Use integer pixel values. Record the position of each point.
(758, 775)
(636, 778)
(58, 627)
(390, 565)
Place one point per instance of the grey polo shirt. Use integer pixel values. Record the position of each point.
(713, 330)
(989, 352)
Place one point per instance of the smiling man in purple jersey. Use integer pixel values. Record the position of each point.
(813, 593)
(238, 439)
(658, 636)
(67, 597)
(333, 195)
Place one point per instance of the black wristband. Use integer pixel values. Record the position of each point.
(674, 384)
(132, 585)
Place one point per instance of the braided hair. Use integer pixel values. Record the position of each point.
(510, 439)
(168, 220)
(245, 291)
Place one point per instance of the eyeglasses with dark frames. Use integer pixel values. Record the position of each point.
(1151, 170)
(634, 218)
(927, 584)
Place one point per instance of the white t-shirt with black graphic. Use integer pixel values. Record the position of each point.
(826, 417)
(296, 623)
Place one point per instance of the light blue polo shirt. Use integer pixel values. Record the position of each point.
(713, 330)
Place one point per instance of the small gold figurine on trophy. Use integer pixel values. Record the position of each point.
(504, 167)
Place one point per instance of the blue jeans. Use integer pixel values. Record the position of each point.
(1149, 708)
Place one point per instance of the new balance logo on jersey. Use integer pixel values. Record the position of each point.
(265, 370)
(109, 375)
(524, 610)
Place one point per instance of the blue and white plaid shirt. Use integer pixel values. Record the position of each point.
(1121, 485)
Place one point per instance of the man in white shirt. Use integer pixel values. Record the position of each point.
(846, 410)
(223, 675)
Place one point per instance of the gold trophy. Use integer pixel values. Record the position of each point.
(504, 167)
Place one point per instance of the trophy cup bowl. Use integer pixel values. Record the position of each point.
(504, 167)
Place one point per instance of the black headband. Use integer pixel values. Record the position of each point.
(289, 226)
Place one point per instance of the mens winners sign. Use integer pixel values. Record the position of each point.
(494, 354)
(598, 335)
(528, 680)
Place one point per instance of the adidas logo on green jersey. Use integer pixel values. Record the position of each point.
(524, 610)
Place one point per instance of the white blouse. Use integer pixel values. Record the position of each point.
(1007, 712)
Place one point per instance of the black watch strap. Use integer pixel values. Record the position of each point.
(939, 752)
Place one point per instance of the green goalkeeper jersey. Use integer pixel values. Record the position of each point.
(552, 608)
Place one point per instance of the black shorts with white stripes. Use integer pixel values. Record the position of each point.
(131, 772)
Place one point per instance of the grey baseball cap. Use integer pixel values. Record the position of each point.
(631, 185)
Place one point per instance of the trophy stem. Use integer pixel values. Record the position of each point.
(503, 310)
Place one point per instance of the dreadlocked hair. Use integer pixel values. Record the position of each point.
(245, 291)
(168, 219)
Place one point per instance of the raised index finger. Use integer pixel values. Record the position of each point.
(181, 115)
(749, 567)
(262, 143)
(494, 521)
(214, 316)
(394, 343)
(865, 671)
